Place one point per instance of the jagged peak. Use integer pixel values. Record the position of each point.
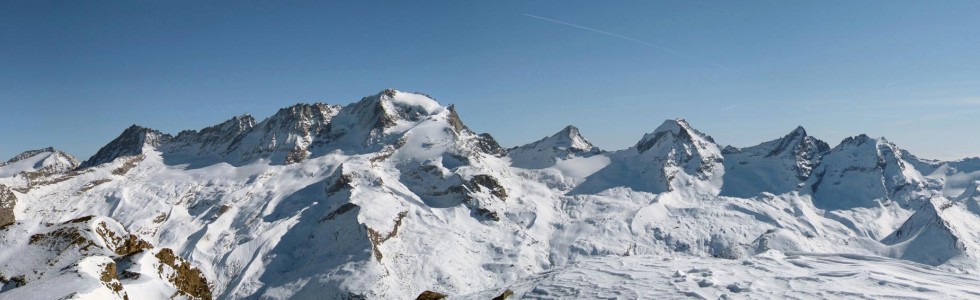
(454, 119)
(386, 108)
(795, 142)
(678, 129)
(129, 143)
(239, 123)
(296, 109)
(570, 138)
(857, 140)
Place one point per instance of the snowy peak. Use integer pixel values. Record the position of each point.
(385, 109)
(287, 136)
(218, 138)
(377, 120)
(939, 231)
(776, 166)
(862, 170)
(798, 144)
(673, 132)
(545, 152)
(569, 138)
(673, 157)
(131, 142)
(46, 161)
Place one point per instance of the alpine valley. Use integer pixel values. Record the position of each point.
(394, 197)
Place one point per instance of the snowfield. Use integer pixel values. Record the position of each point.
(393, 196)
(772, 275)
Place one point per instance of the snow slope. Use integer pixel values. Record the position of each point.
(393, 195)
(777, 166)
(773, 275)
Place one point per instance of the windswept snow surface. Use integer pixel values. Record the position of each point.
(771, 275)
(393, 195)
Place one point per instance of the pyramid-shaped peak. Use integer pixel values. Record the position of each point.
(570, 137)
(569, 130)
(674, 125)
(798, 131)
(129, 143)
(674, 129)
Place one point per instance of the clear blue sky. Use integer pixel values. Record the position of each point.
(74, 74)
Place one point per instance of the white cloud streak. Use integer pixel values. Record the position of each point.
(623, 37)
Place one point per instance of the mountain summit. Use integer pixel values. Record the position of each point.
(394, 197)
(546, 152)
(673, 157)
(776, 166)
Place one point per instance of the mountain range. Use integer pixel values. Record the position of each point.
(394, 197)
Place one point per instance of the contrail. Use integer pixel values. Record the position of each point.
(620, 36)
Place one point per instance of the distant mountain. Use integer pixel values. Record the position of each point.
(47, 160)
(674, 156)
(777, 166)
(546, 152)
(394, 197)
(863, 172)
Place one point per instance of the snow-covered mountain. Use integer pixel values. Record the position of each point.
(673, 157)
(47, 160)
(548, 151)
(777, 166)
(864, 172)
(393, 197)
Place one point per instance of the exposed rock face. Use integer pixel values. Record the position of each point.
(218, 139)
(131, 142)
(430, 295)
(287, 136)
(861, 171)
(67, 254)
(776, 166)
(188, 280)
(7, 202)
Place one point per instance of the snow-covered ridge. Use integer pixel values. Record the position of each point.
(48, 160)
(393, 195)
(862, 172)
(776, 166)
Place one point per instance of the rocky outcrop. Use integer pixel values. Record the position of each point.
(188, 280)
(430, 295)
(130, 143)
(7, 203)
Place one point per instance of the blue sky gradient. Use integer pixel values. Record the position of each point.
(74, 74)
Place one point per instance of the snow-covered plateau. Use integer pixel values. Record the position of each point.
(394, 197)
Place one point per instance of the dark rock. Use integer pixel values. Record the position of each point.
(430, 295)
